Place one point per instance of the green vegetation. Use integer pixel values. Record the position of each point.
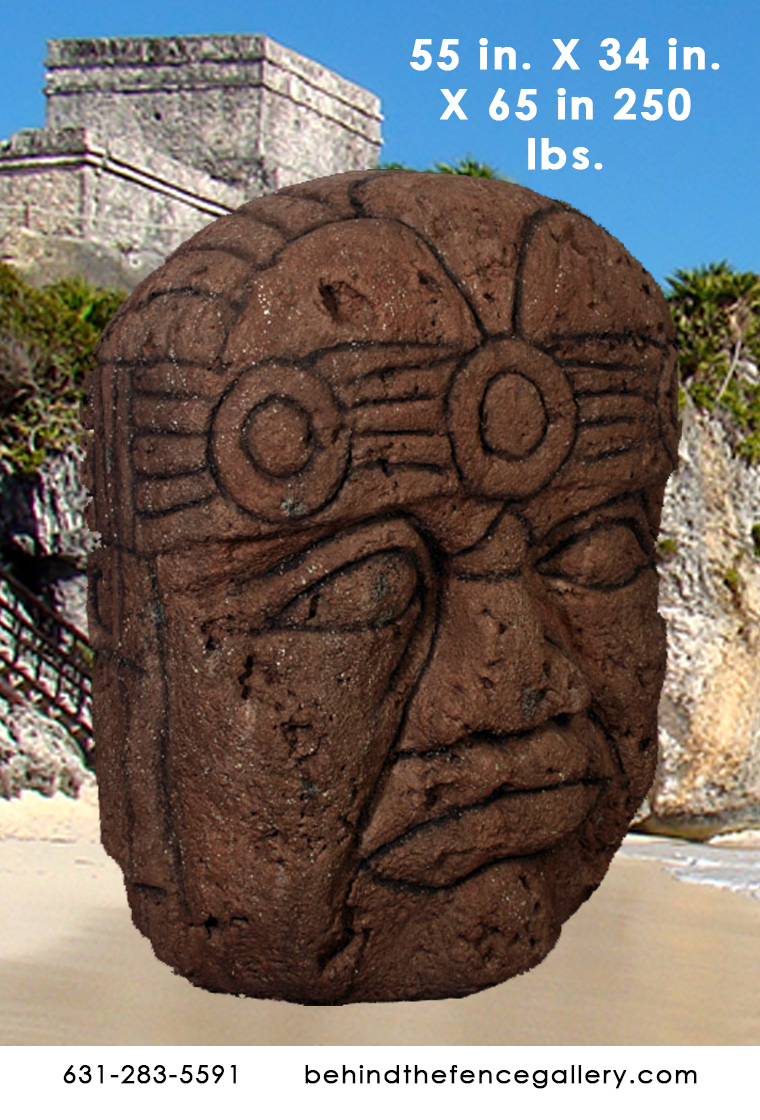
(717, 315)
(667, 546)
(47, 337)
(756, 539)
(732, 580)
(467, 166)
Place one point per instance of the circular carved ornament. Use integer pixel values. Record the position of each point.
(278, 443)
(512, 419)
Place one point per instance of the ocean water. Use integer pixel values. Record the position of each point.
(729, 865)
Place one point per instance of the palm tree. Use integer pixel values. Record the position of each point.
(469, 166)
(466, 166)
(717, 316)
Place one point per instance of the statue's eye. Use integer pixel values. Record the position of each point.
(364, 594)
(604, 558)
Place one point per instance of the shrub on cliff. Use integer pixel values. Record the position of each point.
(47, 336)
(717, 315)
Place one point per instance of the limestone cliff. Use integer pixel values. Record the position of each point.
(709, 775)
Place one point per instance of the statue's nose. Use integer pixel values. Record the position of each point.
(498, 666)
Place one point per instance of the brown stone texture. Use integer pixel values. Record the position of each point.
(377, 464)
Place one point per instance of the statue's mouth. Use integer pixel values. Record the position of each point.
(446, 813)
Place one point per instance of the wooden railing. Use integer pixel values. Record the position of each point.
(46, 660)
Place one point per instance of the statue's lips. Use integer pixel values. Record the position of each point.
(444, 814)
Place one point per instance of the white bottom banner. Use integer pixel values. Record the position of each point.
(375, 1082)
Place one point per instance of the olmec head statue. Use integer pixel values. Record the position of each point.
(378, 464)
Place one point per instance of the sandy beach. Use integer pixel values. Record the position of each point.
(649, 960)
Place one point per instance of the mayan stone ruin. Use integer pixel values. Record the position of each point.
(147, 140)
(378, 464)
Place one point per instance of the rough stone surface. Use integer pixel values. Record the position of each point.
(44, 543)
(43, 536)
(241, 108)
(708, 780)
(378, 465)
(36, 753)
(72, 197)
(147, 140)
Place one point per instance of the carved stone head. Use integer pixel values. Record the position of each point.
(377, 466)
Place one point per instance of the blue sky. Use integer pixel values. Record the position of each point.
(678, 193)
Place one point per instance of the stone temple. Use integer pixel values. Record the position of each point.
(146, 140)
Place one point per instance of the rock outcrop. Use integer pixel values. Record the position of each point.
(43, 542)
(708, 779)
(37, 753)
(43, 537)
